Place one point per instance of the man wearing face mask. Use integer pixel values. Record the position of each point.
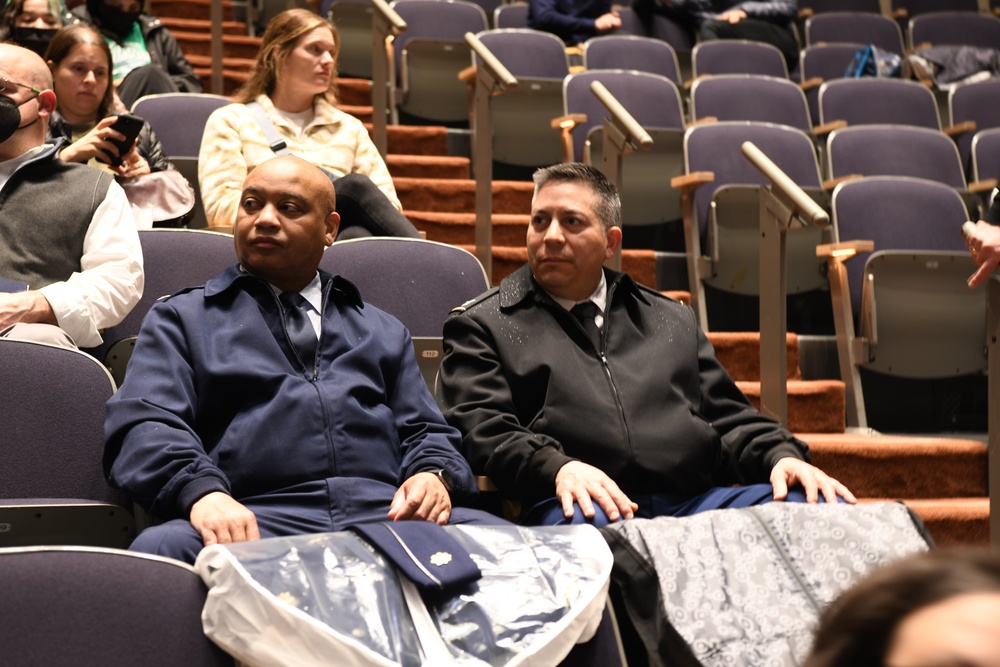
(147, 58)
(70, 258)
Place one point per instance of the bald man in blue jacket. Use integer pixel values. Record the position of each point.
(230, 427)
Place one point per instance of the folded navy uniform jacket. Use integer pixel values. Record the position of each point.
(423, 552)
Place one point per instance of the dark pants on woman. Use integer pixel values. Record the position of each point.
(366, 211)
(145, 80)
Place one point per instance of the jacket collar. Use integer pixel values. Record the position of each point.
(50, 150)
(337, 286)
(324, 112)
(521, 286)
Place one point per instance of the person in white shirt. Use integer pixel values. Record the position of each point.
(69, 250)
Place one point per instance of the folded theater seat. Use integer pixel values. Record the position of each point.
(747, 586)
(498, 596)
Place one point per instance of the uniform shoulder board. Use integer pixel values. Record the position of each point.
(471, 302)
(179, 292)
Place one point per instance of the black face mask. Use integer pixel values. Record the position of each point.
(117, 21)
(35, 39)
(10, 117)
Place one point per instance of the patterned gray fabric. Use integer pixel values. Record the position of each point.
(746, 587)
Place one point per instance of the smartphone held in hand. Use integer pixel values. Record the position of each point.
(128, 125)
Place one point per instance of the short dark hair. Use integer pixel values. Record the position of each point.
(608, 205)
(857, 628)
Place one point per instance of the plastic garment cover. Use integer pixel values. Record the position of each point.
(331, 599)
(746, 586)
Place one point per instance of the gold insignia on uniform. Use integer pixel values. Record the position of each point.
(441, 558)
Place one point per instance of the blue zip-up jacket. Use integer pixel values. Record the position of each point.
(216, 400)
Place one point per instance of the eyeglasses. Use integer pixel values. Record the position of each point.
(7, 84)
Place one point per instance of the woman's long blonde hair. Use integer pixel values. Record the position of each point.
(283, 31)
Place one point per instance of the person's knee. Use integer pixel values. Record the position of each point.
(37, 332)
(798, 495)
(353, 232)
(176, 539)
(712, 29)
(550, 513)
(354, 186)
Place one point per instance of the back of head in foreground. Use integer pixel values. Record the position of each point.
(939, 608)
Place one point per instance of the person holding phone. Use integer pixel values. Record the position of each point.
(291, 97)
(123, 144)
(80, 62)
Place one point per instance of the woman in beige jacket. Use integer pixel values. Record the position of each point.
(292, 89)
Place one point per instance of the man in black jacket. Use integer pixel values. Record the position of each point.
(620, 412)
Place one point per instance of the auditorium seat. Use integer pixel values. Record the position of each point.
(855, 28)
(737, 56)
(655, 103)
(722, 212)
(429, 55)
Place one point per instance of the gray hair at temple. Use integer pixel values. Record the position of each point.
(607, 203)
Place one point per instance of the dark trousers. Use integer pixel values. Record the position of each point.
(366, 211)
(179, 540)
(549, 512)
(145, 80)
(755, 30)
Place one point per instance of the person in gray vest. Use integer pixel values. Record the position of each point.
(70, 260)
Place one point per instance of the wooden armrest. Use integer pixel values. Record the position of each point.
(569, 121)
(707, 120)
(899, 14)
(692, 180)
(468, 74)
(805, 13)
(985, 185)
(961, 128)
(827, 128)
(921, 45)
(486, 484)
(690, 82)
(565, 125)
(844, 249)
(830, 184)
(811, 82)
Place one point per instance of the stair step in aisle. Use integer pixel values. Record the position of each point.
(942, 479)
